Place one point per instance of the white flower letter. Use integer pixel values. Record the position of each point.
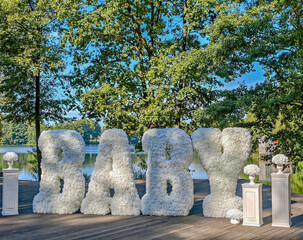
(113, 170)
(161, 171)
(63, 153)
(223, 155)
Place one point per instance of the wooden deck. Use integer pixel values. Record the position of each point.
(79, 226)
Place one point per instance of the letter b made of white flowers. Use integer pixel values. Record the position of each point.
(223, 155)
(63, 153)
(113, 170)
(169, 155)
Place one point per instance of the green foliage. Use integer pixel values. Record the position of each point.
(297, 179)
(278, 47)
(24, 134)
(144, 64)
(32, 162)
(31, 134)
(269, 33)
(29, 55)
(228, 110)
(88, 128)
(31, 62)
(18, 133)
(14, 134)
(140, 160)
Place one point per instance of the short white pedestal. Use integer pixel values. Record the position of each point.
(280, 195)
(10, 191)
(252, 204)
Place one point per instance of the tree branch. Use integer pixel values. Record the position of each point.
(21, 25)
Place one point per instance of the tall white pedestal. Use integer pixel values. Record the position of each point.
(252, 204)
(280, 193)
(10, 191)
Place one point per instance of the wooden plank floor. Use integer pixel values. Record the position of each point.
(79, 226)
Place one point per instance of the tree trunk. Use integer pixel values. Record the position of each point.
(184, 36)
(37, 103)
(38, 122)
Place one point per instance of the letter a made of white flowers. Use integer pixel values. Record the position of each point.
(223, 155)
(53, 144)
(160, 170)
(113, 170)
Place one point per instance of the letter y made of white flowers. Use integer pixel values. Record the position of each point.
(223, 155)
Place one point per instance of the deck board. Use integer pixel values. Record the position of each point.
(79, 226)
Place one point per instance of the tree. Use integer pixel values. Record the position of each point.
(278, 105)
(116, 41)
(31, 62)
(269, 33)
(230, 109)
(14, 134)
(144, 64)
(88, 128)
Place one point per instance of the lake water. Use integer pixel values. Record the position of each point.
(196, 169)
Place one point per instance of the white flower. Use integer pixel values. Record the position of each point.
(223, 155)
(234, 214)
(10, 157)
(251, 170)
(280, 159)
(63, 153)
(113, 170)
(169, 155)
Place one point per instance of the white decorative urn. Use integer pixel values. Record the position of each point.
(252, 170)
(10, 157)
(235, 215)
(280, 160)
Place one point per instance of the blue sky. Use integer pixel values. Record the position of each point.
(250, 79)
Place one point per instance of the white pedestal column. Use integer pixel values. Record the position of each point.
(10, 191)
(280, 193)
(252, 204)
